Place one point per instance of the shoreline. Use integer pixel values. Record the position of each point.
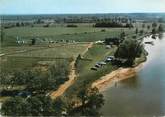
(115, 76)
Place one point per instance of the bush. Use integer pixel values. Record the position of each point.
(109, 24)
(33, 106)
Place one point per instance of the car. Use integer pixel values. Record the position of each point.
(108, 60)
(94, 68)
(24, 94)
(102, 63)
(98, 65)
(111, 57)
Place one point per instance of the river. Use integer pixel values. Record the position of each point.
(144, 94)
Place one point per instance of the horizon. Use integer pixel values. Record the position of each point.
(33, 7)
(87, 13)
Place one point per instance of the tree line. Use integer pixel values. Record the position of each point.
(113, 25)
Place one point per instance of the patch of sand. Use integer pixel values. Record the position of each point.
(116, 76)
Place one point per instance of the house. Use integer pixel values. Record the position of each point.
(108, 46)
(99, 42)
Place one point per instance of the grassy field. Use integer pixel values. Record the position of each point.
(18, 58)
(56, 51)
(10, 64)
(81, 34)
(85, 74)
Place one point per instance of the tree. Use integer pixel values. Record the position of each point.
(161, 20)
(154, 31)
(154, 25)
(129, 25)
(77, 61)
(17, 24)
(60, 107)
(148, 27)
(160, 28)
(129, 50)
(91, 101)
(143, 25)
(141, 32)
(112, 24)
(95, 102)
(136, 31)
(122, 35)
(41, 106)
(33, 41)
(32, 106)
(2, 31)
(15, 106)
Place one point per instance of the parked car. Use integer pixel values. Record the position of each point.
(102, 63)
(24, 94)
(94, 68)
(108, 60)
(97, 65)
(111, 57)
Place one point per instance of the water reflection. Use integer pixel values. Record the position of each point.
(130, 83)
(143, 95)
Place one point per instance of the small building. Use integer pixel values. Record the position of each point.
(99, 42)
(108, 46)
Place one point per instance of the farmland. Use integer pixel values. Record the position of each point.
(68, 43)
(85, 33)
(61, 60)
(25, 57)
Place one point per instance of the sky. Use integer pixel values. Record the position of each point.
(80, 6)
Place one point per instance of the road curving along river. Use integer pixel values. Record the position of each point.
(144, 94)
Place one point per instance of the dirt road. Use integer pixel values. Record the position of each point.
(72, 77)
(67, 84)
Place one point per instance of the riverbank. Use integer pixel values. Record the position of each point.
(136, 96)
(115, 76)
(120, 74)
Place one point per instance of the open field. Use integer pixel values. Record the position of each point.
(82, 33)
(79, 34)
(56, 51)
(27, 57)
(10, 64)
(85, 75)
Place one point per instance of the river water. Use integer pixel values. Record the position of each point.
(143, 95)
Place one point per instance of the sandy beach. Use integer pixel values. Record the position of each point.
(115, 76)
